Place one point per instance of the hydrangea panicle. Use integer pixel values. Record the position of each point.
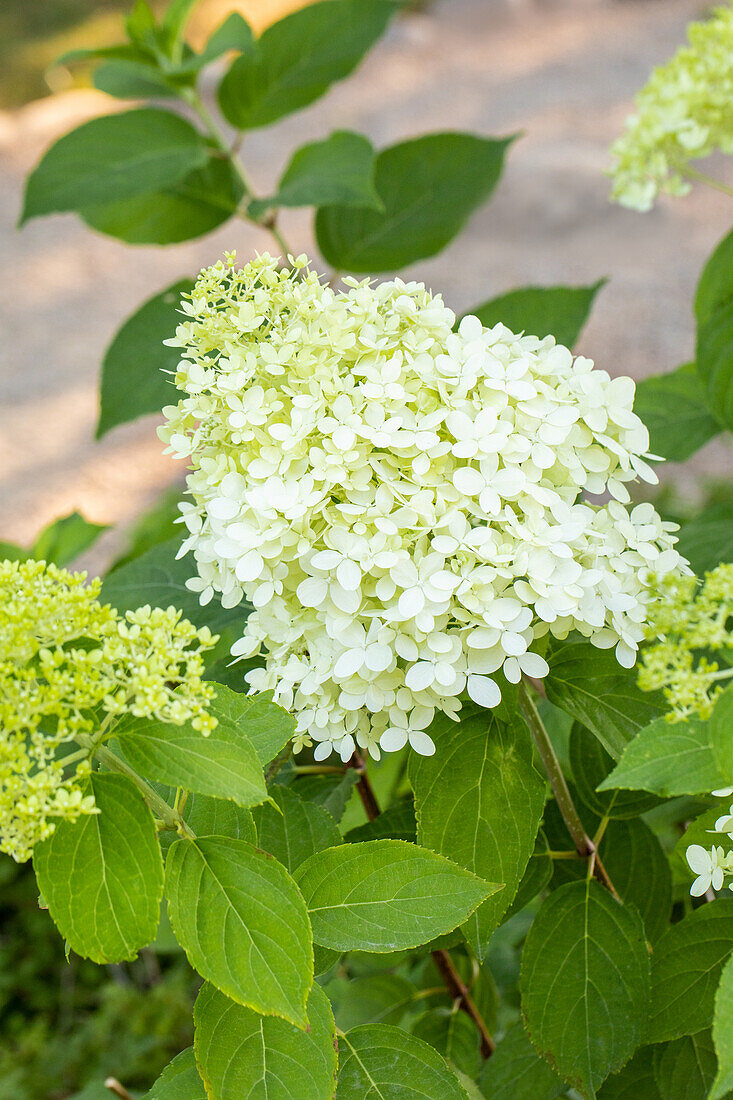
(69, 665)
(401, 502)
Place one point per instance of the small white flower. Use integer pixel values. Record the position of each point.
(708, 866)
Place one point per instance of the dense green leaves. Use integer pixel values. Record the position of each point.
(585, 982)
(515, 1071)
(636, 1081)
(102, 875)
(66, 538)
(589, 684)
(674, 408)
(707, 540)
(378, 1061)
(294, 830)
(241, 1054)
(137, 367)
(386, 895)
(668, 758)
(397, 822)
(179, 1081)
(479, 801)
(339, 169)
(380, 998)
(723, 1034)
(266, 725)
(454, 1035)
(590, 764)
(714, 313)
(429, 187)
(685, 1068)
(686, 968)
(111, 158)
(242, 923)
(560, 311)
(296, 60)
(720, 732)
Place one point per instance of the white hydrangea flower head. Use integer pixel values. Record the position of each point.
(401, 503)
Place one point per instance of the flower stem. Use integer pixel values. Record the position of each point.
(710, 181)
(118, 1089)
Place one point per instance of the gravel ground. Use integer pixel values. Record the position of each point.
(563, 72)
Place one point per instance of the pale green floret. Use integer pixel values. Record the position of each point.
(684, 113)
(690, 623)
(69, 666)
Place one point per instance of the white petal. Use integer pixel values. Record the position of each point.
(312, 591)
(411, 603)
(249, 567)
(483, 691)
(700, 886)
(420, 676)
(468, 481)
(349, 663)
(393, 739)
(421, 743)
(322, 750)
(534, 665)
(348, 574)
(698, 859)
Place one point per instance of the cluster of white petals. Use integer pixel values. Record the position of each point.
(712, 866)
(400, 502)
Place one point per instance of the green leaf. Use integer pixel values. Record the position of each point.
(111, 158)
(339, 169)
(195, 205)
(560, 311)
(668, 758)
(591, 685)
(720, 730)
(10, 552)
(707, 540)
(124, 52)
(396, 823)
(179, 1080)
(296, 60)
(636, 1081)
(66, 538)
(209, 816)
(674, 408)
(267, 725)
(137, 367)
(686, 968)
(585, 983)
(685, 1068)
(515, 1071)
(330, 791)
(156, 525)
(379, 1062)
(241, 1054)
(535, 878)
(129, 78)
(224, 764)
(386, 895)
(234, 33)
(381, 998)
(639, 869)
(490, 825)
(590, 764)
(242, 923)
(453, 1035)
(297, 830)
(723, 1034)
(714, 314)
(102, 875)
(429, 188)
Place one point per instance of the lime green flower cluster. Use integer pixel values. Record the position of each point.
(684, 113)
(69, 666)
(693, 648)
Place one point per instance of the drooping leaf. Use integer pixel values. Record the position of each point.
(559, 311)
(479, 801)
(686, 967)
(297, 830)
(429, 187)
(378, 1061)
(707, 540)
(674, 408)
(339, 169)
(686, 1067)
(714, 314)
(720, 731)
(102, 875)
(241, 1054)
(189, 208)
(585, 982)
(179, 1080)
(66, 538)
(515, 1071)
(591, 685)
(636, 1081)
(297, 59)
(137, 367)
(111, 158)
(386, 895)
(590, 764)
(453, 1035)
(668, 758)
(242, 923)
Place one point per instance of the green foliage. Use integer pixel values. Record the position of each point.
(102, 875)
(685, 1067)
(379, 1060)
(675, 410)
(293, 830)
(590, 764)
(714, 314)
(560, 311)
(668, 758)
(516, 1071)
(179, 1081)
(723, 1034)
(707, 540)
(635, 1080)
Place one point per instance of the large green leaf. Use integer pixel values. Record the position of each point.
(685, 1068)
(66, 538)
(668, 758)
(293, 829)
(102, 875)
(639, 870)
(339, 169)
(479, 801)
(429, 187)
(723, 1034)
(720, 732)
(674, 408)
(267, 725)
(686, 968)
(137, 367)
(179, 1080)
(241, 1054)
(223, 764)
(560, 311)
(112, 158)
(195, 205)
(585, 983)
(714, 314)
(131, 78)
(636, 1081)
(590, 764)
(379, 1062)
(591, 685)
(242, 923)
(515, 1071)
(386, 895)
(707, 540)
